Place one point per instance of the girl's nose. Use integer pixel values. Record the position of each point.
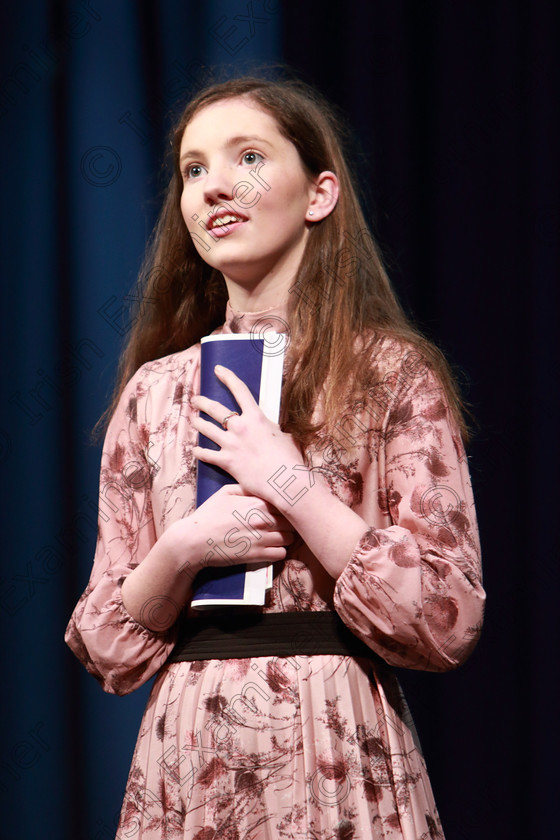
(218, 185)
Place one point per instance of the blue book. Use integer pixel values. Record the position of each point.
(258, 360)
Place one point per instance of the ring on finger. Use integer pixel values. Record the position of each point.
(228, 417)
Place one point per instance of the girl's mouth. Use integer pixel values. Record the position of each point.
(221, 224)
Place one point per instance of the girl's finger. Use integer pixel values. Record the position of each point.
(212, 408)
(209, 430)
(209, 456)
(237, 387)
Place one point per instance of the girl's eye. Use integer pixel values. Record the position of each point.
(195, 170)
(251, 157)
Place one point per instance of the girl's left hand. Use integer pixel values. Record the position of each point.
(253, 448)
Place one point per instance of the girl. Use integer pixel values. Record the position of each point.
(284, 721)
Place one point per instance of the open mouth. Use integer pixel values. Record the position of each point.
(223, 222)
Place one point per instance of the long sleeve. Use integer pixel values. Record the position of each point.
(121, 653)
(413, 590)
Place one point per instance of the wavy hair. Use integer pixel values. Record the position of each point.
(342, 302)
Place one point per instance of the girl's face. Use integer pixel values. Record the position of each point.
(245, 194)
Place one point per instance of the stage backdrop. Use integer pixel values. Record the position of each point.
(453, 106)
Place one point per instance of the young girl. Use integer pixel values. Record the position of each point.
(284, 721)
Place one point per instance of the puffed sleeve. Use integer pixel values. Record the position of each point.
(413, 590)
(121, 653)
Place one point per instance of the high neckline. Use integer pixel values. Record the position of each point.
(274, 318)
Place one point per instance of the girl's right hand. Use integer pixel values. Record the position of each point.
(232, 528)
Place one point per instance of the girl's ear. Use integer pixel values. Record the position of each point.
(324, 196)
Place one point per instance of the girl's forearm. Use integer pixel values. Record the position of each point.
(330, 529)
(155, 592)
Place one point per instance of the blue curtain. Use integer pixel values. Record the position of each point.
(87, 92)
(456, 152)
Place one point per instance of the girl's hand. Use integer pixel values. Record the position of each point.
(253, 448)
(232, 527)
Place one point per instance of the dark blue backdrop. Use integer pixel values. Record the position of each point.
(454, 109)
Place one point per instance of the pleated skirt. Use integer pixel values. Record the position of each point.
(311, 747)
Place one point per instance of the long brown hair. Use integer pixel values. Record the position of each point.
(342, 302)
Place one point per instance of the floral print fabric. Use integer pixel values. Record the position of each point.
(319, 746)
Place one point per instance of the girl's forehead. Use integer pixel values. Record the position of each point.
(236, 116)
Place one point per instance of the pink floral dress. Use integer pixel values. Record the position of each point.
(321, 746)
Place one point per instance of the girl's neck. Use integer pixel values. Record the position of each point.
(270, 291)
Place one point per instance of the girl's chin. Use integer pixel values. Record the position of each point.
(240, 273)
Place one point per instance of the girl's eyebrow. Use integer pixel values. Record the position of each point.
(231, 141)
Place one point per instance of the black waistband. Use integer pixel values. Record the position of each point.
(238, 636)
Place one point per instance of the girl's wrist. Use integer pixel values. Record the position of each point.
(183, 546)
(287, 486)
